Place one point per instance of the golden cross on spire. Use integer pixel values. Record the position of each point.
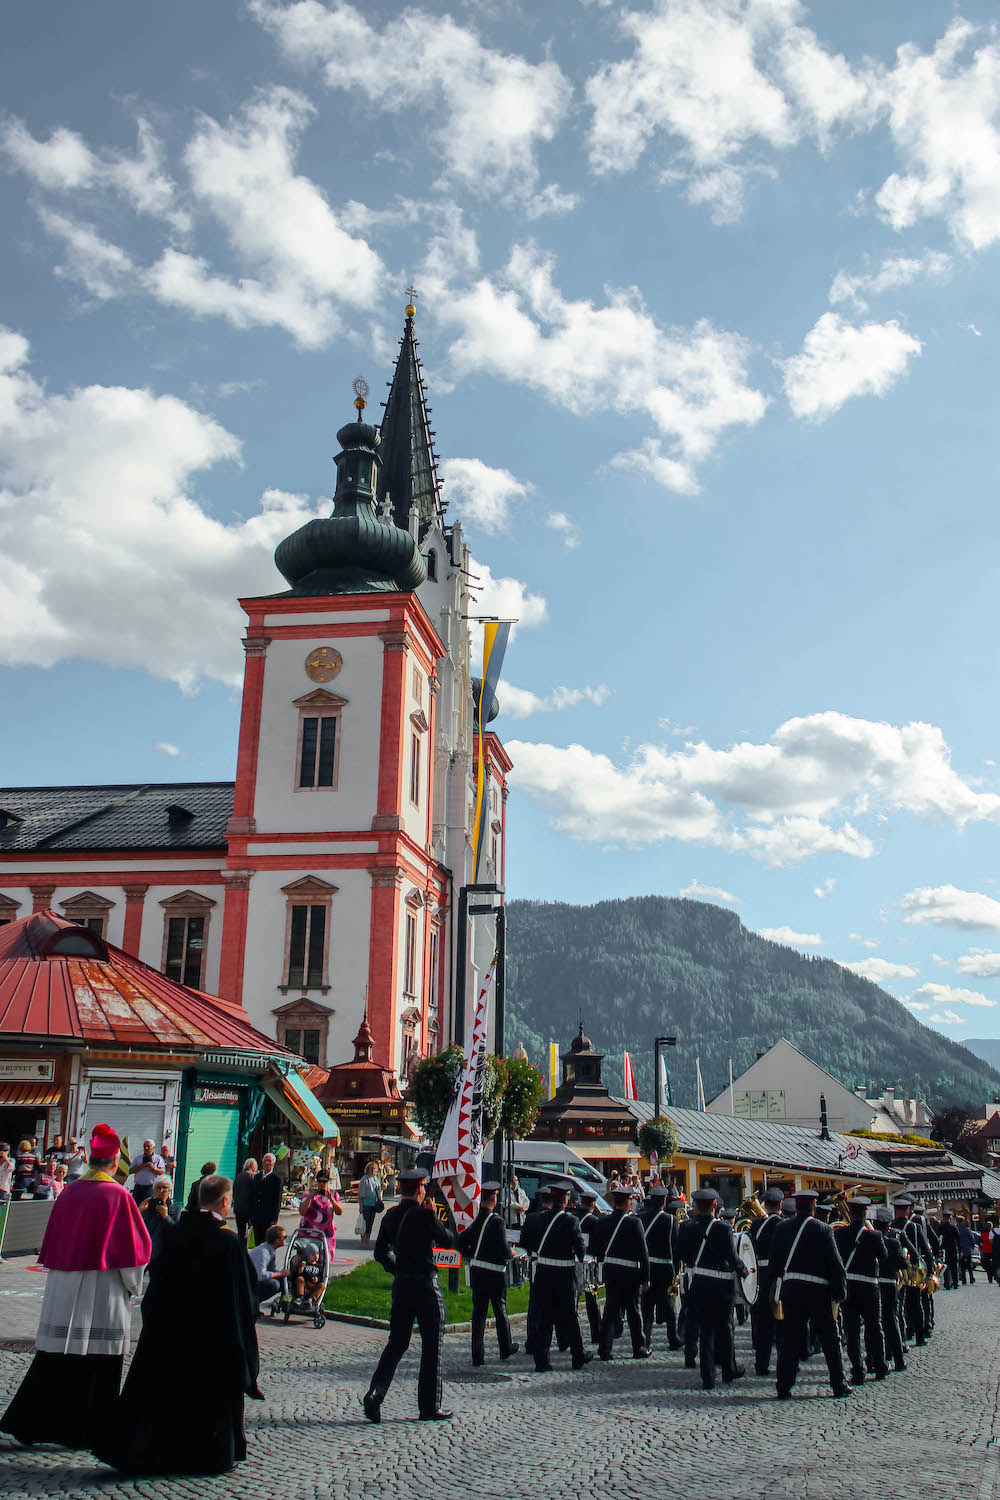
(411, 297)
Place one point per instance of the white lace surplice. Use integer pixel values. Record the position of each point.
(87, 1312)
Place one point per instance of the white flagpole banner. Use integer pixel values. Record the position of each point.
(458, 1165)
(699, 1086)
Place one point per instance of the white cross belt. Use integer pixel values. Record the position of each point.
(486, 1265)
(856, 1276)
(716, 1275)
(803, 1276)
(660, 1260)
(629, 1265)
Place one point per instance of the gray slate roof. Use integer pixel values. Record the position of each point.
(770, 1143)
(116, 817)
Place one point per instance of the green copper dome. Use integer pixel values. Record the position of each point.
(353, 551)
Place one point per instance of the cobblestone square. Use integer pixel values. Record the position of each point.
(626, 1429)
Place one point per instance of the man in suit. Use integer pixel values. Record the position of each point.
(266, 1198)
(484, 1244)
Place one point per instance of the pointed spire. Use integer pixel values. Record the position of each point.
(409, 463)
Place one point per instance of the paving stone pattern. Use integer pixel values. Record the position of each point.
(630, 1429)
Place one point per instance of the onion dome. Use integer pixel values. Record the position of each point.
(581, 1043)
(494, 706)
(352, 551)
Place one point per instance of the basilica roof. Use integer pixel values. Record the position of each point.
(151, 815)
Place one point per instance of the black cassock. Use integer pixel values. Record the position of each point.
(196, 1358)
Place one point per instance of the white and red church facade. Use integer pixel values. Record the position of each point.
(324, 880)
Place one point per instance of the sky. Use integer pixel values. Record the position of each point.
(708, 309)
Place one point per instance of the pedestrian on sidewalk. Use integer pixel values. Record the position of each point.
(243, 1193)
(369, 1198)
(320, 1210)
(209, 1169)
(967, 1244)
(267, 1187)
(94, 1250)
(6, 1171)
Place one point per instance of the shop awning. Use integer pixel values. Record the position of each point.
(296, 1099)
(607, 1150)
(44, 1095)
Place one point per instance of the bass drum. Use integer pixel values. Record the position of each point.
(750, 1288)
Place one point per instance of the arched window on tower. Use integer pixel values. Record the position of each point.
(432, 564)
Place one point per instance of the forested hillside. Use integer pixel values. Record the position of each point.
(655, 965)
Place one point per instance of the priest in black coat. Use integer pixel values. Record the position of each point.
(197, 1353)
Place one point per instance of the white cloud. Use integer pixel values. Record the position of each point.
(165, 748)
(840, 360)
(691, 384)
(504, 599)
(559, 521)
(947, 1018)
(65, 163)
(484, 496)
(791, 798)
(878, 970)
(980, 962)
(826, 889)
(107, 470)
(490, 111)
(915, 1005)
(521, 703)
(949, 994)
(947, 906)
(870, 943)
(790, 938)
(104, 269)
(695, 891)
(941, 961)
(894, 272)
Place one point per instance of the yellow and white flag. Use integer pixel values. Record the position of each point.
(495, 635)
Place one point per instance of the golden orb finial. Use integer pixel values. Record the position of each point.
(360, 389)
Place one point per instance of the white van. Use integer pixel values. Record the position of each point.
(560, 1158)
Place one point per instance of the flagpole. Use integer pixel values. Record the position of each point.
(732, 1104)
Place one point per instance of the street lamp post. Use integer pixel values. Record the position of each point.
(658, 1042)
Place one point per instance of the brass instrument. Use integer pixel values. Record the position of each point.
(748, 1212)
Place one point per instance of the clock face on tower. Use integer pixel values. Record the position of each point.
(323, 664)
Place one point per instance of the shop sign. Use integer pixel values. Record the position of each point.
(209, 1093)
(362, 1112)
(449, 1259)
(26, 1070)
(822, 1184)
(102, 1088)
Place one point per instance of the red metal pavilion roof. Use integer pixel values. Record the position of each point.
(60, 981)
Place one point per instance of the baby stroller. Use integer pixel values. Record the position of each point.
(286, 1302)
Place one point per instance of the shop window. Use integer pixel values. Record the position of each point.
(186, 921)
(88, 910)
(307, 934)
(317, 750)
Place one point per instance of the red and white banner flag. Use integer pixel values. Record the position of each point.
(630, 1092)
(458, 1165)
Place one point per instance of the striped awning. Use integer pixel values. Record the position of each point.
(296, 1099)
(44, 1095)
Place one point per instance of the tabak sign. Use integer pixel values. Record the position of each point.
(210, 1093)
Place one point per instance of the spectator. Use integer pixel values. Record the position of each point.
(59, 1173)
(145, 1169)
(263, 1258)
(208, 1170)
(243, 1198)
(45, 1182)
(74, 1159)
(56, 1151)
(519, 1201)
(317, 1210)
(986, 1248)
(26, 1164)
(967, 1244)
(159, 1214)
(369, 1198)
(6, 1171)
(169, 1160)
(196, 1358)
(266, 1198)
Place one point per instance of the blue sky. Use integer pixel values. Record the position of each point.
(708, 310)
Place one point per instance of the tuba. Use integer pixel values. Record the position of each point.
(749, 1211)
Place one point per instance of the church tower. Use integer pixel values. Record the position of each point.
(351, 814)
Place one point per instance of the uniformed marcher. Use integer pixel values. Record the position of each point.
(560, 1249)
(908, 1230)
(590, 1217)
(762, 1325)
(485, 1246)
(660, 1224)
(405, 1247)
(530, 1233)
(619, 1244)
(708, 1250)
(788, 1208)
(890, 1286)
(951, 1247)
(865, 1260)
(931, 1237)
(807, 1274)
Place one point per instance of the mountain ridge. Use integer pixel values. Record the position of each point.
(643, 966)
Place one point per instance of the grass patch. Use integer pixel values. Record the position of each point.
(367, 1292)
